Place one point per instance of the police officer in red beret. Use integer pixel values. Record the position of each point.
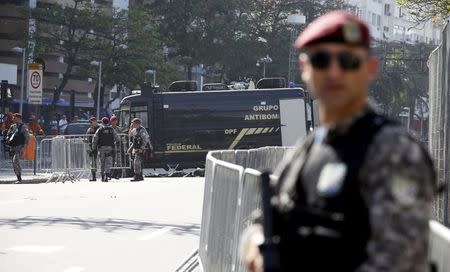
(17, 138)
(140, 142)
(118, 158)
(105, 140)
(356, 194)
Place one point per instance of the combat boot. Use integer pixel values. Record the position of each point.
(19, 179)
(137, 178)
(105, 178)
(93, 178)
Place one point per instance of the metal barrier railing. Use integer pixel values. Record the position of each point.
(70, 156)
(66, 157)
(439, 138)
(232, 193)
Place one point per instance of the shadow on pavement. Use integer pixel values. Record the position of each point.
(108, 224)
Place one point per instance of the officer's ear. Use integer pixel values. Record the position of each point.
(372, 67)
(305, 66)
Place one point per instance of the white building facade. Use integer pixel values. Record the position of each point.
(390, 22)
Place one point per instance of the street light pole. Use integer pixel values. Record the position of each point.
(264, 61)
(98, 90)
(22, 95)
(99, 64)
(152, 72)
(22, 80)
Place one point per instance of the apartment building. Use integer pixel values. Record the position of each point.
(390, 22)
(14, 32)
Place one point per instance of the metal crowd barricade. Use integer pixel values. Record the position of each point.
(26, 165)
(122, 160)
(439, 137)
(232, 194)
(218, 233)
(66, 157)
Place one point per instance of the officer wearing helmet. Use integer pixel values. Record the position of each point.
(356, 194)
(104, 141)
(140, 140)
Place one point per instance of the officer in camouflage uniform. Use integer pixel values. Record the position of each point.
(139, 141)
(104, 141)
(17, 138)
(92, 152)
(356, 194)
(117, 158)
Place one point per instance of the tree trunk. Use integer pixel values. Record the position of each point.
(189, 71)
(117, 95)
(61, 86)
(412, 109)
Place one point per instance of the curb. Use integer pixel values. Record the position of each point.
(28, 178)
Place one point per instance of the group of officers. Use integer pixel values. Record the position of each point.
(106, 146)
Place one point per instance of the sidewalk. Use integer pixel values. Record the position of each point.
(27, 178)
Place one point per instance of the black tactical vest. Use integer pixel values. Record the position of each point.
(328, 229)
(91, 131)
(137, 139)
(17, 138)
(106, 136)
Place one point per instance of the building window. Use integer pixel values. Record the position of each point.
(374, 19)
(386, 29)
(378, 20)
(387, 9)
(400, 12)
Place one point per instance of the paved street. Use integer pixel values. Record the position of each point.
(117, 226)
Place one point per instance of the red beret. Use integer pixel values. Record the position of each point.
(113, 118)
(105, 120)
(337, 26)
(92, 119)
(136, 120)
(17, 115)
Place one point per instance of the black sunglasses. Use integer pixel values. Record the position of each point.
(347, 60)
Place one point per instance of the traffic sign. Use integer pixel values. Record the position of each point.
(35, 83)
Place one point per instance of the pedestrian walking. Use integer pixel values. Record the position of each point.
(62, 125)
(140, 141)
(105, 140)
(54, 125)
(356, 194)
(34, 127)
(7, 123)
(17, 139)
(92, 152)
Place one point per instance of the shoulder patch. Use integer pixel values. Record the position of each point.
(404, 190)
(331, 179)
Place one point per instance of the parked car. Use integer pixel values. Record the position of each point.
(77, 128)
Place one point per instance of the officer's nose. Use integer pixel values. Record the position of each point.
(334, 70)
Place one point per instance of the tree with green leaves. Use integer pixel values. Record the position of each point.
(229, 36)
(126, 42)
(67, 30)
(424, 10)
(403, 78)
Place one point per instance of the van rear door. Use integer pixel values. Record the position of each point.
(293, 121)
